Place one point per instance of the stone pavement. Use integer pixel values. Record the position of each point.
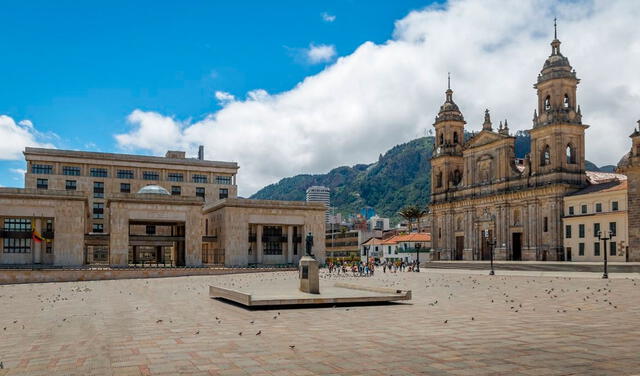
(456, 324)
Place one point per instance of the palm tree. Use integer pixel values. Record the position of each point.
(412, 213)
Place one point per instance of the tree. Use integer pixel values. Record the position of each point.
(411, 213)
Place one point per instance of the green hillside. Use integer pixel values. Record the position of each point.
(400, 177)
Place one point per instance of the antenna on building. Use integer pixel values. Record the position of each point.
(555, 28)
(449, 80)
(201, 152)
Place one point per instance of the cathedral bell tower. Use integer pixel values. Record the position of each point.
(447, 162)
(557, 137)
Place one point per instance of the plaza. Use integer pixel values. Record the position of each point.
(459, 322)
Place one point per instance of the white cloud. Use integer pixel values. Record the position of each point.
(326, 17)
(19, 171)
(224, 98)
(322, 53)
(15, 137)
(384, 94)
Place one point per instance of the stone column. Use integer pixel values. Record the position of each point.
(37, 246)
(290, 244)
(259, 248)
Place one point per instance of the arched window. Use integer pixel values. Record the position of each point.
(565, 103)
(571, 154)
(439, 179)
(441, 139)
(457, 177)
(547, 103)
(545, 157)
(455, 138)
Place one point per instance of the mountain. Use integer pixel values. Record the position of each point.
(400, 177)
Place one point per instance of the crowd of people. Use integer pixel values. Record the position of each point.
(366, 269)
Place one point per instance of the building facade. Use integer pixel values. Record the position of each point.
(630, 165)
(321, 194)
(484, 199)
(85, 208)
(598, 208)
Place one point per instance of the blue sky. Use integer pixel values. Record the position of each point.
(283, 90)
(77, 69)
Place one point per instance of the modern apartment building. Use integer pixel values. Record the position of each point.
(318, 193)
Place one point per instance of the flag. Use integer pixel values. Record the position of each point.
(35, 235)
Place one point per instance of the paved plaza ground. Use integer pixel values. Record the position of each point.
(458, 323)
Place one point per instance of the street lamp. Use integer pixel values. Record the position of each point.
(604, 236)
(418, 246)
(491, 243)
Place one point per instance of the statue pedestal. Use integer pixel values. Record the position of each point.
(309, 275)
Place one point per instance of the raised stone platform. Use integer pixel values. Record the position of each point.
(283, 295)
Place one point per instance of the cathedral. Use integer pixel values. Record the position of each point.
(483, 198)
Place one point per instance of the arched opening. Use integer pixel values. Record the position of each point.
(545, 157)
(455, 138)
(457, 177)
(571, 154)
(547, 103)
(441, 139)
(566, 102)
(439, 179)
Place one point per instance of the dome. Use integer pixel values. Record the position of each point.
(153, 190)
(624, 161)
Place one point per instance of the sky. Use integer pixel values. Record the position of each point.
(289, 87)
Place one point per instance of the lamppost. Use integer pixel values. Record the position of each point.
(604, 236)
(491, 243)
(418, 246)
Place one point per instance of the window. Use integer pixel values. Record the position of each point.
(545, 157)
(580, 249)
(125, 174)
(455, 137)
(70, 185)
(97, 227)
(614, 205)
(98, 210)
(48, 247)
(125, 188)
(613, 228)
(223, 179)
(567, 231)
(545, 224)
(547, 103)
(41, 169)
(570, 210)
(583, 209)
(613, 249)
(174, 176)
(571, 154)
(441, 139)
(596, 229)
(151, 230)
(42, 183)
(439, 180)
(272, 240)
(98, 189)
(566, 102)
(598, 207)
(150, 175)
(224, 193)
(175, 190)
(581, 231)
(200, 192)
(199, 178)
(17, 244)
(99, 172)
(596, 249)
(71, 171)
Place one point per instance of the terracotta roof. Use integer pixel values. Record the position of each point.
(413, 237)
(373, 241)
(608, 186)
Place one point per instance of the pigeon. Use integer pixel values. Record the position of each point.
(292, 347)
(239, 333)
(259, 332)
(197, 332)
(445, 321)
(158, 321)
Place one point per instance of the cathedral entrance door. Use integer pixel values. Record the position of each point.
(485, 248)
(517, 246)
(459, 247)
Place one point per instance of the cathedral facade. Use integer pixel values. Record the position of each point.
(483, 198)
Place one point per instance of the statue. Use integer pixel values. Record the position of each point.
(309, 244)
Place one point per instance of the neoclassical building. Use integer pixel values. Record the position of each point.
(482, 196)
